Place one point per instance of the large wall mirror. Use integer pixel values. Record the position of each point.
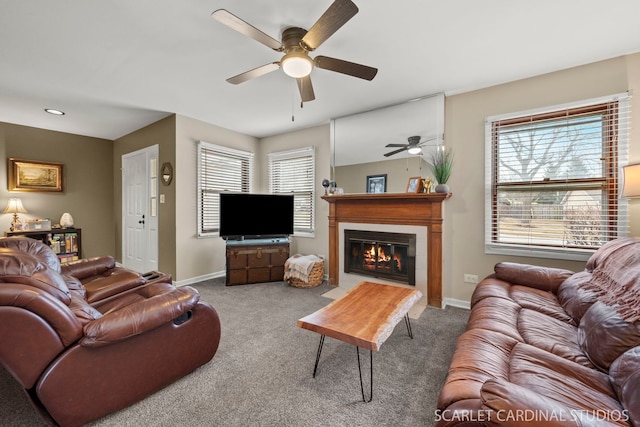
(359, 144)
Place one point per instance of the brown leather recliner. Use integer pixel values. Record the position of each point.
(81, 351)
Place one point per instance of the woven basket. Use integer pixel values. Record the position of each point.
(316, 276)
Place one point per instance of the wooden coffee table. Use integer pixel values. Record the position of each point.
(365, 317)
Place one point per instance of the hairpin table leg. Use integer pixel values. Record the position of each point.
(408, 323)
(371, 375)
(315, 368)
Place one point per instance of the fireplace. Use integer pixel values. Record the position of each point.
(381, 254)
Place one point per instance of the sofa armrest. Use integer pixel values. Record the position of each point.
(88, 267)
(533, 276)
(139, 317)
(513, 405)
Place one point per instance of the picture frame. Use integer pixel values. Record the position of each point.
(35, 175)
(414, 185)
(377, 184)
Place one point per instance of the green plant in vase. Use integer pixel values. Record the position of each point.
(441, 166)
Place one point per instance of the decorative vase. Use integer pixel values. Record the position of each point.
(442, 188)
(66, 220)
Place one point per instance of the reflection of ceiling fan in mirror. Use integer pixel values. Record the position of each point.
(413, 147)
(296, 45)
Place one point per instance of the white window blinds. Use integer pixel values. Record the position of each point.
(552, 179)
(294, 172)
(219, 169)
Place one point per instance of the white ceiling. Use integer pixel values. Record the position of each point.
(115, 66)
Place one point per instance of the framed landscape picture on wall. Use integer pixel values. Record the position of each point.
(377, 183)
(34, 175)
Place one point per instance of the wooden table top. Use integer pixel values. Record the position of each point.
(365, 316)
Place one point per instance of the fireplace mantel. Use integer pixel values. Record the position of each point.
(423, 209)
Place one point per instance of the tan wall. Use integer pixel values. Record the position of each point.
(353, 178)
(317, 137)
(633, 72)
(88, 188)
(163, 134)
(199, 257)
(464, 131)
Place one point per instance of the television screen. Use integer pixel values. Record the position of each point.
(244, 215)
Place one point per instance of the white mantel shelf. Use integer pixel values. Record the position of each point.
(421, 209)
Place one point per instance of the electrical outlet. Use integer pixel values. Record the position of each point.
(471, 278)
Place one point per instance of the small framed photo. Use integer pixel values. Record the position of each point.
(414, 185)
(34, 175)
(377, 183)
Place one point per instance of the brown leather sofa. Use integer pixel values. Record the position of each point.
(89, 338)
(549, 347)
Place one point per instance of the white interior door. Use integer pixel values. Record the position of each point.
(140, 210)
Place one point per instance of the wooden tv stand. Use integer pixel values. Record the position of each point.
(256, 261)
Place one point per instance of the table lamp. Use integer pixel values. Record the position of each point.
(15, 207)
(631, 187)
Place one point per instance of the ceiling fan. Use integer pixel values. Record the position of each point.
(296, 44)
(413, 147)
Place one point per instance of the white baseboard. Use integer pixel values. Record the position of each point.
(456, 303)
(193, 280)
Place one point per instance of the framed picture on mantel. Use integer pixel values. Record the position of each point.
(414, 185)
(377, 183)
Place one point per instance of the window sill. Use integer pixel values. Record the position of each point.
(538, 252)
(305, 235)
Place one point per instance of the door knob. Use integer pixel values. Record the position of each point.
(142, 220)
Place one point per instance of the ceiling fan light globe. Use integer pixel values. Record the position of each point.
(415, 150)
(296, 65)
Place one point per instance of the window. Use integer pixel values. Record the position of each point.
(219, 169)
(294, 172)
(552, 179)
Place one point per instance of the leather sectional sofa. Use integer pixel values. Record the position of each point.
(549, 347)
(89, 338)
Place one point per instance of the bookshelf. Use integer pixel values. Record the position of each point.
(65, 242)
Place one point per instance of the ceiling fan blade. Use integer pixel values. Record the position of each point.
(331, 20)
(237, 24)
(395, 152)
(252, 74)
(396, 145)
(424, 143)
(346, 67)
(306, 89)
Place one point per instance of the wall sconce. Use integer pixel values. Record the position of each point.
(15, 207)
(631, 187)
(166, 173)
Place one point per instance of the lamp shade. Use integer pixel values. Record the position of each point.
(14, 206)
(631, 186)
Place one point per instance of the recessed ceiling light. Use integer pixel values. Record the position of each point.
(54, 111)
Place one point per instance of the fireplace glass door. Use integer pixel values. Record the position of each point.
(387, 255)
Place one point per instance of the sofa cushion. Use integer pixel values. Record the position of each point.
(519, 406)
(577, 387)
(625, 376)
(480, 355)
(574, 297)
(604, 335)
(616, 279)
(532, 276)
(552, 335)
(19, 267)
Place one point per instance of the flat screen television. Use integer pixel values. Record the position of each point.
(254, 216)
